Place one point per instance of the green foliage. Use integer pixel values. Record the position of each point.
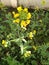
(20, 49)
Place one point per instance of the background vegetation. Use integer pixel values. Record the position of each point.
(27, 44)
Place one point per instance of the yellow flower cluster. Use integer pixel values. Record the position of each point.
(25, 23)
(19, 9)
(31, 34)
(27, 53)
(43, 2)
(4, 43)
(1, 5)
(22, 17)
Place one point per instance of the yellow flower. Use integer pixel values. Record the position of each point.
(5, 45)
(27, 53)
(28, 22)
(28, 15)
(34, 32)
(40, 21)
(3, 42)
(1, 5)
(13, 21)
(16, 15)
(13, 12)
(19, 9)
(35, 48)
(31, 35)
(16, 21)
(25, 10)
(23, 23)
(43, 2)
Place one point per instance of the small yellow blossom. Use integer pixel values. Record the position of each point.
(13, 12)
(23, 23)
(27, 54)
(35, 48)
(1, 5)
(16, 15)
(16, 21)
(13, 21)
(25, 10)
(43, 2)
(34, 32)
(4, 43)
(31, 35)
(40, 21)
(19, 9)
(28, 15)
(28, 22)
